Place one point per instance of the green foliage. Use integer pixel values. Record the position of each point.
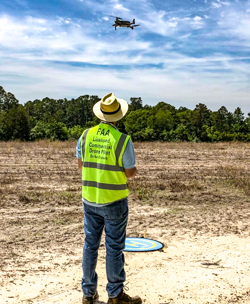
(7, 100)
(56, 131)
(164, 121)
(163, 106)
(135, 103)
(64, 119)
(200, 119)
(14, 124)
(53, 131)
(147, 134)
(75, 132)
(39, 131)
(181, 133)
(136, 121)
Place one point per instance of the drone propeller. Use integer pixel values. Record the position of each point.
(136, 25)
(115, 17)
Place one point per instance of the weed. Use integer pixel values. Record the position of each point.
(61, 221)
(178, 186)
(142, 194)
(160, 186)
(24, 199)
(236, 177)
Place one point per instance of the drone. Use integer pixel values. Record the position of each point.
(123, 23)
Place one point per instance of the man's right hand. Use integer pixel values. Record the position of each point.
(130, 172)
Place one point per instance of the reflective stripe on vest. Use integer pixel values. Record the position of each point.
(103, 177)
(104, 186)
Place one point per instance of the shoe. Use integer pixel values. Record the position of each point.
(90, 300)
(123, 298)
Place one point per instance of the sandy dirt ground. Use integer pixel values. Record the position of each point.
(192, 197)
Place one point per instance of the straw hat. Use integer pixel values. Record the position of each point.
(110, 108)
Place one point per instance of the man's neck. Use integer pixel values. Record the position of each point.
(109, 123)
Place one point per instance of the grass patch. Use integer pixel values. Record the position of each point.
(174, 210)
(236, 177)
(179, 186)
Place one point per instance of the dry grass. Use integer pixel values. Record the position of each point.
(180, 188)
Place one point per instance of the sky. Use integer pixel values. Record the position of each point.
(184, 52)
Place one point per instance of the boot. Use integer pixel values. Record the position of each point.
(123, 298)
(90, 300)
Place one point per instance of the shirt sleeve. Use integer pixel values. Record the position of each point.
(78, 148)
(128, 158)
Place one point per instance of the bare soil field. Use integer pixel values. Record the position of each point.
(193, 197)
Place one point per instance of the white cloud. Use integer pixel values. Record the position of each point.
(40, 39)
(29, 70)
(241, 29)
(235, 22)
(162, 23)
(220, 3)
(177, 87)
(157, 22)
(121, 7)
(197, 23)
(216, 5)
(225, 3)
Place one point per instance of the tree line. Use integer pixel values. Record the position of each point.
(63, 119)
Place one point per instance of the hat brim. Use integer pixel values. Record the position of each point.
(113, 117)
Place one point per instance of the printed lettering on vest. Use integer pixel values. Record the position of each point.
(102, 132)
(100, 148)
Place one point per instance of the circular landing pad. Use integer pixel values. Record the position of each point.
(142, 244)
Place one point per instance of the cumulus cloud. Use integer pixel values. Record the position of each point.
(235, 22)
(197, 22)
(158, 22)
(119, 6)
(177, 87)
(163, 59)
(220, 3)
(61, 40)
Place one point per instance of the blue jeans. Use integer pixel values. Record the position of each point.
(114, 219)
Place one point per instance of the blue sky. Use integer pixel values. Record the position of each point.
(184, 52)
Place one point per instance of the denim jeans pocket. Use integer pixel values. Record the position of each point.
(85, 208)
(117, 210)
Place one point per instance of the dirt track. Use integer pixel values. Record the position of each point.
(192, 197)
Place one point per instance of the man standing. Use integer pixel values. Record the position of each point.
(106, 158)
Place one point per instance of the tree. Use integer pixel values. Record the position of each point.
(52, 130)
(164, 121)
(7, 100)
(135, 103)
(75, 132)
(36, 111)
(56, 131)
(14, 124)
(181, 133)
(201, 119)
(165, 107)
(184, 118)
(221, 120)
(79, 111)
(39, 131)
(238, 121)
(136, 121)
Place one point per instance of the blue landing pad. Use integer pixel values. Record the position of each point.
(142, 244)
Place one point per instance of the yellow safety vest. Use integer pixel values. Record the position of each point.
(103, 177)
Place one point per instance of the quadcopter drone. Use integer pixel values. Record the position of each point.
(123, 23)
